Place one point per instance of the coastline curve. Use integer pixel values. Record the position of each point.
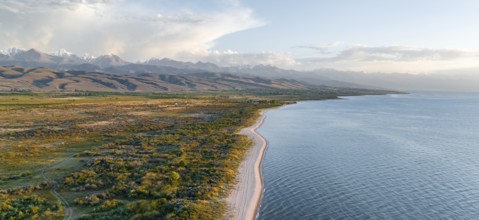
(246, 196)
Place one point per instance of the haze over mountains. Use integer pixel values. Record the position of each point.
(113, 64)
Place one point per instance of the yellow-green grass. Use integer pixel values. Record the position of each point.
(106, 149)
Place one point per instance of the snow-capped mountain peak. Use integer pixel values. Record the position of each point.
(88, 57)
(62, 53)
(12, 51)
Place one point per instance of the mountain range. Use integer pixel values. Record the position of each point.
(63, 71)
(113, 64)
(47, 79)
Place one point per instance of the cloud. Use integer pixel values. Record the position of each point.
(387, 58)
(235, 58)
(28, 6)
(323, 49)
(365, 53)
(187, 30)
(343, 52)
(134, 30)
(320, 49)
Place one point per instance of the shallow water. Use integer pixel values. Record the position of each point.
(410, 156)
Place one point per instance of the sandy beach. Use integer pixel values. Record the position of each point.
(245, 198)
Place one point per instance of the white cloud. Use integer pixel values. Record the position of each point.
(235, 58)
(28, 6)
(388, 58)
(365, 53)
(187, 30)
(132, 29)
(340, 56)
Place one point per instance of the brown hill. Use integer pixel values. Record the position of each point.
(46, 79)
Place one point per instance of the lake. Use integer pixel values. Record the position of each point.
(413, 156)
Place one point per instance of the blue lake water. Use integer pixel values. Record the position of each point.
(412, 156)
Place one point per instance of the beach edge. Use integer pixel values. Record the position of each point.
(244, 200)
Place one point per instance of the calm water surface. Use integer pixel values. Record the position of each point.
(373, 157)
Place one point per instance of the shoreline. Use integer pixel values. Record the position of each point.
(244, 200)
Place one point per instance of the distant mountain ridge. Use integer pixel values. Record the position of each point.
(47, 79)
(35, 58)
(64, 59)
(113, 64)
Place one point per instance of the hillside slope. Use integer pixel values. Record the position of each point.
(46, 79)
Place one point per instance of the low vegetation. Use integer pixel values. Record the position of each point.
(125, 156)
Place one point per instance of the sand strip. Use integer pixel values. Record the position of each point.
(245, 198)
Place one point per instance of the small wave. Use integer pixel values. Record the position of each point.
(391, 164)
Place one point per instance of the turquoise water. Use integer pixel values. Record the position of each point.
(412, 156)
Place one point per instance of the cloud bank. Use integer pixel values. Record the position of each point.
(340, 56)
(396, 53)
(387, 58)
(235, 58)
(134, 30)
(187, 30)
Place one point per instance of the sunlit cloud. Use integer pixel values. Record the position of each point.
(396, 53)
(387, 58)
(235, 58)
(134, 30)
(188, 30)
(350, 58)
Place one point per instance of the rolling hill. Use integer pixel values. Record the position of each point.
(47, 79)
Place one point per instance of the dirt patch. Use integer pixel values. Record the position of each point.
(140, 113)
(6, 130)
(98, 123)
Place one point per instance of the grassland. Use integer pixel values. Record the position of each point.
(125, 156)
(119, 156)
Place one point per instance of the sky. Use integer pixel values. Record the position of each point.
(427, 36)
